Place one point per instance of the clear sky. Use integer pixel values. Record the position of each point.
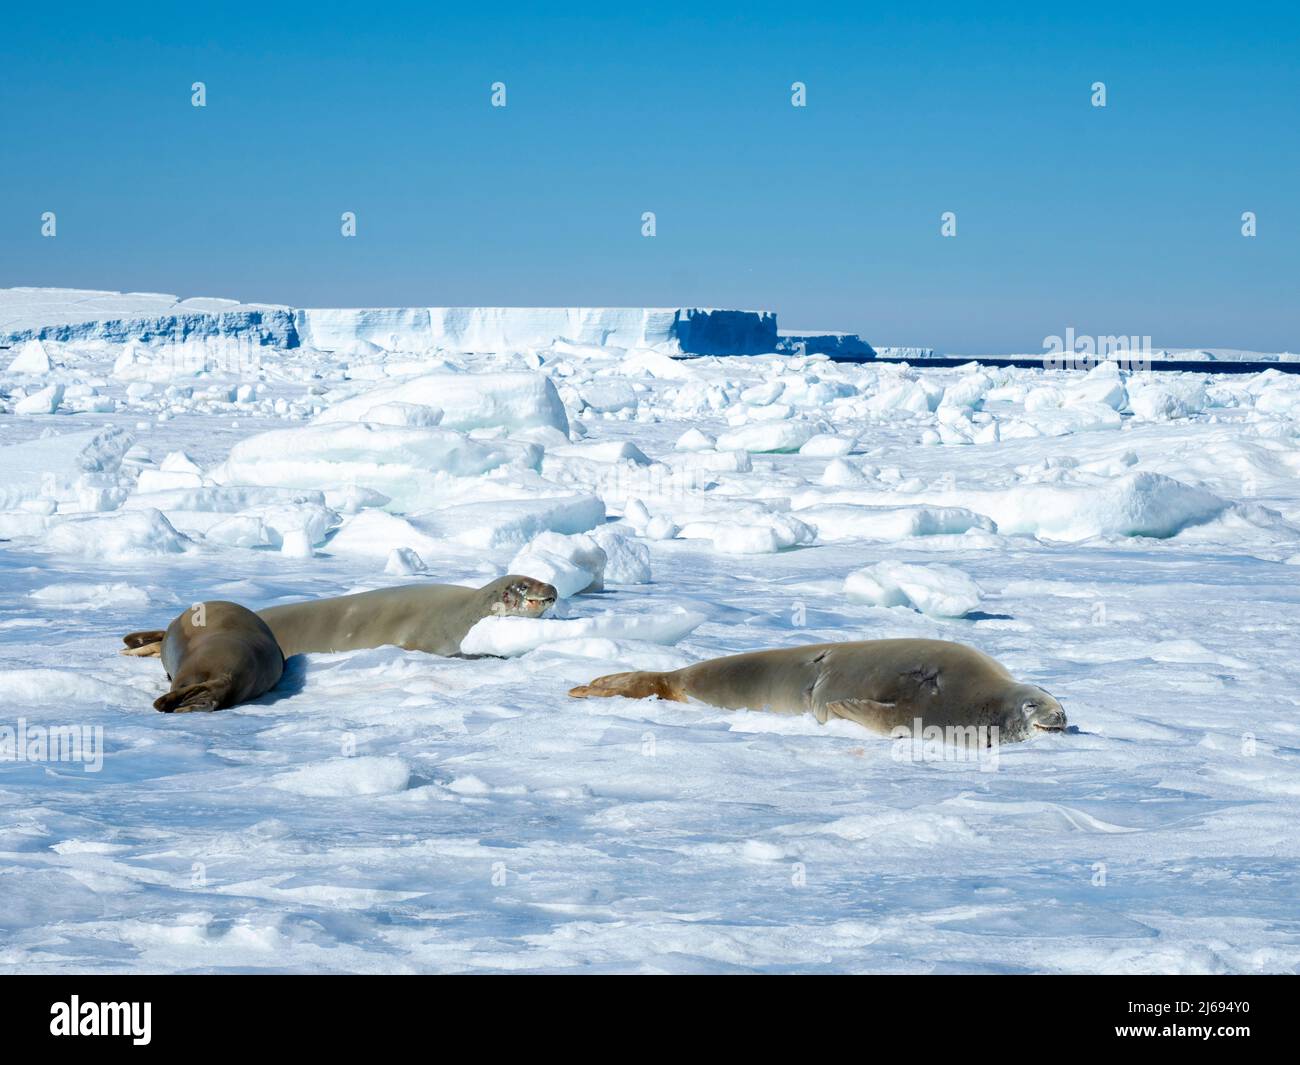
(1117, 221)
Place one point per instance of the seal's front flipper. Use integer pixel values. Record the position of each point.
(147, 644)
(194, 698)
(865, 712)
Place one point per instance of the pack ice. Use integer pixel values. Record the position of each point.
(1126, 540)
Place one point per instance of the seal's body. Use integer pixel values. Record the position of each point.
(217, 654)
(880, 684)
(418, 617)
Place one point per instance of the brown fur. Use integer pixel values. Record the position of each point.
(143, 644)
(632, 686)
(433, 618)
(217, 654)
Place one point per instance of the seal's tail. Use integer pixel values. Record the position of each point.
(639, 685)
(145, 644)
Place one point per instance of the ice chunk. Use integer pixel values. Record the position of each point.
(761, 395)
(850, 521)
(908, 397)
(59, 468)
(360, 775)
(611, 451)
(70, 594)
(938, 590)
(213, 499)
(402, 463)
(31, 359)
(828, 445)
(507, 637)
(626, 561)
(968, 392)
(403, 562)
(694, 440)
(377, 534)
(776, 533)
(767, 437)
(512, 522)
(296, 543)
(416, 415)
(567, 578)
(239, 530)
(119, 536)
(1103, 385)
(351, 498)
(46, 401)
(1059, 421)
(838, 473)
(1167, 397)
(573, 564)
(177, 470)
(606, 395)
(467, 401)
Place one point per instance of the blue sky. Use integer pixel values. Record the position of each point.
(1122, 220)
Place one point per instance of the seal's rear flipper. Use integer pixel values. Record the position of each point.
(146, 644)
(196, 697)
(640, 685)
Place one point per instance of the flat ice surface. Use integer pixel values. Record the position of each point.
(1134, 541)
(120, 317)
(31, 308)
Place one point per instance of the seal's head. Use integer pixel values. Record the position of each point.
(1028, 710)
(520, 597)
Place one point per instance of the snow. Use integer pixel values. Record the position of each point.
(346, 776)
(1128, 541)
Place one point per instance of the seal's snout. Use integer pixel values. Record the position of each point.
(540, 599)
(1048, 718)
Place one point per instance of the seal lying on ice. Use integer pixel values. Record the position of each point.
(217, 654)
(881, 684)
(417, 617)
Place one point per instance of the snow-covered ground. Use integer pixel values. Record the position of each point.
(1128, 541)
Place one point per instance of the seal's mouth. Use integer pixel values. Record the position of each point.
(1049, 728)
(537, 600)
